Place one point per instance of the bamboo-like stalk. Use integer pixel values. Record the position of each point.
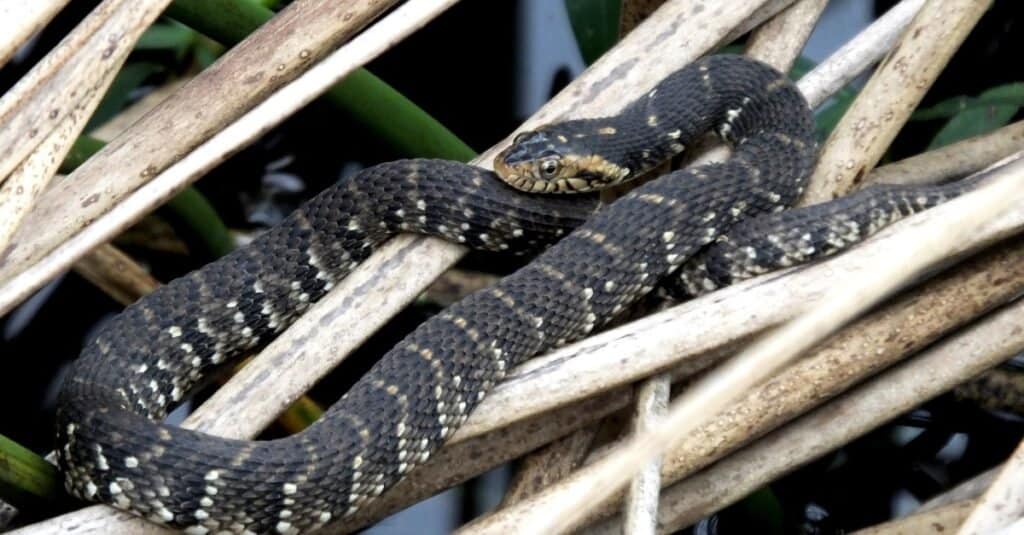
(36, 136)
(941, 520)
(936, 370)
(21, 20)
(849, 61)
(117, 274)
(880, 109)
(551, 463)
(1003, 502)
(640, 510)
(779, 41)
(279, 51)
(965, 354)
(911, 322)
(82, 63)
(953, 161)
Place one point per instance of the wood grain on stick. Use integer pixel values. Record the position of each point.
(885, 103)
(21, 20)
(271, 56)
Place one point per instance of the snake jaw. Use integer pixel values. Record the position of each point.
(541, 162)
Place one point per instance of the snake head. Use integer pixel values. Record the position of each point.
(562, 159)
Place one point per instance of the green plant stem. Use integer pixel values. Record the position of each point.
(385, 112)
(26, 479)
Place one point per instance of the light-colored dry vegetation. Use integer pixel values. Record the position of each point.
(734, 429)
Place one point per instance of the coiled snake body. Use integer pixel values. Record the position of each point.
(113, 449)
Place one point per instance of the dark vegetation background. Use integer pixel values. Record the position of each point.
(464, 70)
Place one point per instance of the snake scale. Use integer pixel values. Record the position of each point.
(112, 447)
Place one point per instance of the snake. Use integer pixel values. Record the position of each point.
(693, 229)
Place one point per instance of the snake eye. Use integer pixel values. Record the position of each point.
(549, 168)
(521, 137)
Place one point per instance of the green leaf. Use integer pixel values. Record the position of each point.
(26, 479)
(128, 79)
(227, 21)
(989, 111)
(167, 36)
(595, 24)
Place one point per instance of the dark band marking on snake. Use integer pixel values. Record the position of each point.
(113, 449)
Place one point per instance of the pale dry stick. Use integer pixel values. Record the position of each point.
(915, 319)
(124, 119)
(1003, 502)
(913, 252)
(965, 354)
(21, 20)
(954, 160)
(89, 69)
(966, 490)
(779, 41)
(1015, 528)
(274, 54)
(547, 465)
(640, 510)
(941, 520)
(116, 274)
(31, 177)
(850, 60)
(884, 105)
(253, 124)
(52, 63)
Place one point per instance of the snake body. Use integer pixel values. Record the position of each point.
(113, 449)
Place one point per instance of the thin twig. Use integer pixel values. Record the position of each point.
(953, 161)
(640, 510)
(116, 274)
(850, 60)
